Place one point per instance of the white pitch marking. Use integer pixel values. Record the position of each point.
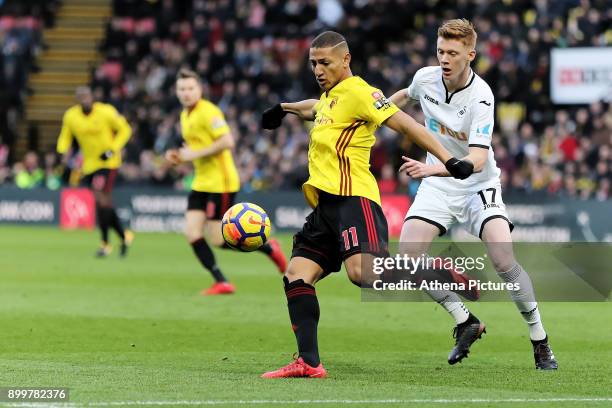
(302, 402)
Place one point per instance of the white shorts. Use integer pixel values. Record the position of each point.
(472, 211)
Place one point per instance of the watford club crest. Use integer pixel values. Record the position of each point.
(333, 102)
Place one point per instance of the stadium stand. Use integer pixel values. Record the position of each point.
(21, 24)
(252, 55)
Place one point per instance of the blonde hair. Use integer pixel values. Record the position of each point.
(185, 73)
(459, 29)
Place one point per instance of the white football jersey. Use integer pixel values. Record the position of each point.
(458, 120)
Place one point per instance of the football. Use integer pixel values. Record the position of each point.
(246, 227)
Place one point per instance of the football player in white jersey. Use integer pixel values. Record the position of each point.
(459, 111)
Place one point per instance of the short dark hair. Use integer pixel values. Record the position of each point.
(328, 39)
(83, 89)
(185, 73)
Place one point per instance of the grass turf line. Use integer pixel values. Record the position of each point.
(137, 330)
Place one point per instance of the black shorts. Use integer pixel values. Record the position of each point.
(213, 204)
(340, 227)
(101, 180)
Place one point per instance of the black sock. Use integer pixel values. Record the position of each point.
(207, 259)
(471, 319)
(115, 223)
(103, 222)
(266, 249)
(304, 314)
(537, 342)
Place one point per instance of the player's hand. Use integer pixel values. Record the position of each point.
(172, 156)
(186, 154)
(415, 168)
(459, 169)
(273, 117)
(107, 155)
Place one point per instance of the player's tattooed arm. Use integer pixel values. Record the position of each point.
(404, 124)
(304, 109)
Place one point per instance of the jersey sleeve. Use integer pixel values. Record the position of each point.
(120, 125)
(483, 117)
(374, 107)
(64, 142)
(215, 122)
(413, 89)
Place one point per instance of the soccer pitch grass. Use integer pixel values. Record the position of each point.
(119, 331)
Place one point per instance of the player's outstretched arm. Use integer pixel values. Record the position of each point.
(186, 153)
(64, 141)
(273, 117)
(123, 132)
(420, 170)
(304, 109)
(404, 124)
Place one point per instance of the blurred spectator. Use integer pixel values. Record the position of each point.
(28, 173)
(387, 183)
(53, 171)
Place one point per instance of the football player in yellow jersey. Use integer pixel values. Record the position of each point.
(208, 144)
(101, 133)
(347, 219)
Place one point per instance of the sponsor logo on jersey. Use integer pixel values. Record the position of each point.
(485, 130)
(218, 123)
(485, 103)
(441, 129)
(321, 119)
(430, 99)
(382, 103)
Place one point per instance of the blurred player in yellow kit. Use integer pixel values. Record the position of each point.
(101, 133)
(208, 144)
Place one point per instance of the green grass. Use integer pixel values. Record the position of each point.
(137, 330)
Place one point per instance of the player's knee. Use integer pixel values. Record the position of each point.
(105, 199)
(354, 274)
(292, 273)
(503, 263)
(192, 234)
(214, 236)
(218, 242)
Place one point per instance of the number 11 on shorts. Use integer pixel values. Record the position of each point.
(345, 235)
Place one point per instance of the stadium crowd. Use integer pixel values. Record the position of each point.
(21, 24)
(252, 54)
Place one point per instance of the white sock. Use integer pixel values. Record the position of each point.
(452, 303)
(532, 318)
(524, 299)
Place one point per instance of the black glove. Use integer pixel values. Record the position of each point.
(459, 169)
(107, 155)
(273, 117)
